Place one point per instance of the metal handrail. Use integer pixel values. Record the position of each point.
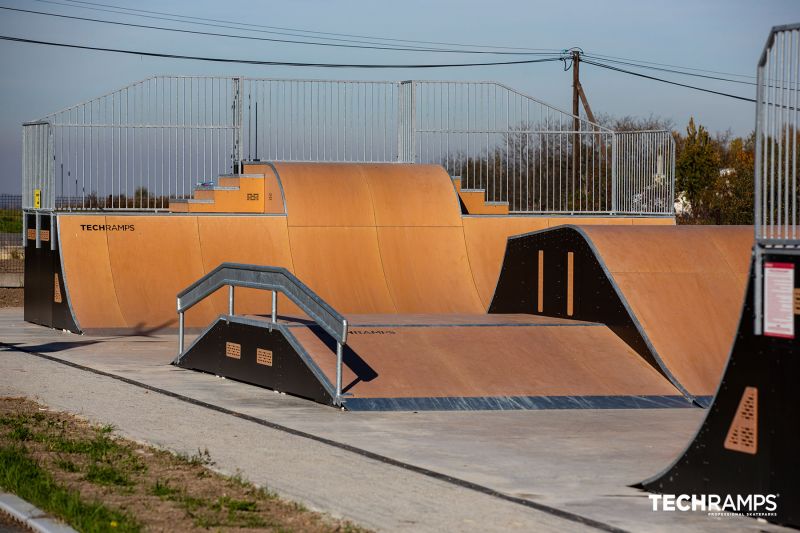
(275, 279)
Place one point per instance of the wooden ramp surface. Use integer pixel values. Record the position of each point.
(673, 293)
(417, 357)
(685, 285)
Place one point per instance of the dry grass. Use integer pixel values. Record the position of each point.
(11, 297)
(149, 489)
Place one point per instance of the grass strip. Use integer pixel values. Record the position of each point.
(23, 476)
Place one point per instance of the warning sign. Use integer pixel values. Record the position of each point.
(779, 300)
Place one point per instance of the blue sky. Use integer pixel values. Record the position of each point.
(725, 35)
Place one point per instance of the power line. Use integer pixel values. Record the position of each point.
(372, 40)
(81, 4)
(670, 70)
(274, 63)
(607, 57)
(639, 74)
(250, 37)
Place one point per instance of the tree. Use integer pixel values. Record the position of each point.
(731, 201)
(697, 169)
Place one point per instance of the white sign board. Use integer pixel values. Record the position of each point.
(778, 300)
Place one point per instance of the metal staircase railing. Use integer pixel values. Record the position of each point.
(275, 279)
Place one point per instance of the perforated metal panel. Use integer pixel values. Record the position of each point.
(743, 433)
(233, 350)
(57, 290)
(264, 357)
(44, 235)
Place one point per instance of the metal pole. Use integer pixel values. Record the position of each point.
(339, 350)
(52, 231)
(38, 229)
(614, 152)
(180, 333)
(274, 307)
(230, 300)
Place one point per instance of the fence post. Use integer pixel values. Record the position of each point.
(237, 124)
(413, 158)
(614, 148)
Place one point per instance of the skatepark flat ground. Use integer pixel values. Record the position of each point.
(428, 471)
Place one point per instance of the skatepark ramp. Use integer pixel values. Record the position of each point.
(745, 453)
(274, 279)
(391, 241)
(671, 293)
(415, 362)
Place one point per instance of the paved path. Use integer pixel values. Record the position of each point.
(468, 471)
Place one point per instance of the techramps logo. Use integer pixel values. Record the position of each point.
(752, 505)
(108, 227)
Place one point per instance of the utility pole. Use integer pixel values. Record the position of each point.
(578, 98)
(576, 123)
(576, 83)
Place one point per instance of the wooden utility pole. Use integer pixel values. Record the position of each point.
(576, 123)
(576, 84)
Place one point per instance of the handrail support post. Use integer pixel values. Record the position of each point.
(339, 351)
(275, 307)
(180, 333)
(230, 300)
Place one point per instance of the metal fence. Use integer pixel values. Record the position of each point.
(12, 253)
(777, 147)
(778, 98)
(157, 139)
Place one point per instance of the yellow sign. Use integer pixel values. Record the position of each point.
(37, 198)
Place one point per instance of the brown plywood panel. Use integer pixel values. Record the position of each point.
(343, 266)
(658, 248)
(249, 198)
(486, 244)
(427, 270)
(691, 319)
(151, 265)
(326, 194)
(653, 221)
(491, 361)
(735, 243)
(458, 319)
(412, 195)
(589, 221)
(250, 240)
(87, 273)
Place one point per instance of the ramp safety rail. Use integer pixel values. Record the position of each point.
(777, 148)
(268, 278)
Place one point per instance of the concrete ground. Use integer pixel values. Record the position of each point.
(426, 471)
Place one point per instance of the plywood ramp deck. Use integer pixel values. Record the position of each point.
(483, 356)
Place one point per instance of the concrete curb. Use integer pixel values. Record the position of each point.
(31, 516)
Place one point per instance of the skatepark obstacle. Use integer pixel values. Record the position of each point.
(745, 453)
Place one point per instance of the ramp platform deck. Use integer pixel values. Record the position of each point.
(441, 362)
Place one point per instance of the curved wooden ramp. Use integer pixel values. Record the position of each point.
(748, 442)
(369, 238)
(672, 293)
(441, 362)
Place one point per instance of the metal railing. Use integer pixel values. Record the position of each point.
(275, 279)
(12, 238)
(778, 101)
(137, 147)
(777, 147)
